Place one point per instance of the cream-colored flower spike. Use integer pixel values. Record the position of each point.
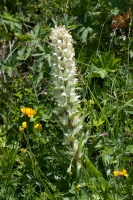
(63, 76)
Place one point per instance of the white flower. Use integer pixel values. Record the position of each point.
(64, 78)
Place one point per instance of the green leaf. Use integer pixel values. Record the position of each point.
(129, 148)
(24, 38)
(98, 122)
(45, 117)
(93, 172)
(9, 17)
(92, 169)
(85, 33)
(27, 53)
(21, 53)
(2, 141)
(103, 64)
(92, 146)
(99, 73)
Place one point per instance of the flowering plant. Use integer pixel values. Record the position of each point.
(65, 81)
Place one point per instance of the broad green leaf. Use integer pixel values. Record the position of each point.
(93, 172)
(98, 122)
(129, 148)
(24, 38)
(103, 64)
(92, 146)
(99, 73)
(85, 34)
(45, 117)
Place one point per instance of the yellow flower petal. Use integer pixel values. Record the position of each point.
(121, 173)
(24, 124)
(78, 186)
(124, 172)
(38, 126)
(21, 128)
(116, 173)
(23, 151)
(28, 111)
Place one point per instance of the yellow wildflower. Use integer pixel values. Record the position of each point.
(20, 162)
(21, 128)
(24, 124)
(38, 126)
(121, 173)
(124, 172)
(23, 151)
(117, 173)
(78, 186)
(28, 111)
(91, 102)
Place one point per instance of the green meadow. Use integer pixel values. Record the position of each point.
(66, 100)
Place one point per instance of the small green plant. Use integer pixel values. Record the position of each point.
(103, 64)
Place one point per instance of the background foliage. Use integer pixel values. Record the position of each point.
(104, 64)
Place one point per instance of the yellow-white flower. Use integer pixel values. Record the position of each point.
(63, 76)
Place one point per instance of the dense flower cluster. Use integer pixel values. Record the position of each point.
(121, 173)
(64, 78)
(28, 111)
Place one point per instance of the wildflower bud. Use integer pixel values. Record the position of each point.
(105, 134)
(23, 151)
(21, 128)
(127, 133)
(24, 124)
(78, 186)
